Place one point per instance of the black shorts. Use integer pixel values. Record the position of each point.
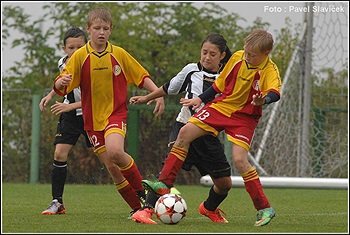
(69, 129)
(206, 153)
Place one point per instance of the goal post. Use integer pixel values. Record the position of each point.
(287, 182)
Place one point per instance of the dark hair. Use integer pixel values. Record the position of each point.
(74, 32)
(220, 41)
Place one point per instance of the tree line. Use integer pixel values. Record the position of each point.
(162, 37)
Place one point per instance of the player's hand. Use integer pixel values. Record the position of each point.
(258, 99)
(194, 102)
(138, 100)
(158, 109)
(44, 101)
(160, 106)
(59, 108)
(63, 81)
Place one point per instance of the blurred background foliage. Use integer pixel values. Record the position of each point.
(163, 37)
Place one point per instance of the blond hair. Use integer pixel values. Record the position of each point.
(99, 13)
(259, 40)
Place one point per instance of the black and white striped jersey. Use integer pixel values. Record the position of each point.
(75, 95)
(193, 80)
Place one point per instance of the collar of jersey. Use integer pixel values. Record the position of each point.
(201, 68)
(261, 66)
(92, 50)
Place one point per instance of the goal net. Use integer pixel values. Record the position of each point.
(305, 134)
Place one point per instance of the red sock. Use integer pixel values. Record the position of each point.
(172, 165)
(132, 175)
(254, 188)
(129, 194)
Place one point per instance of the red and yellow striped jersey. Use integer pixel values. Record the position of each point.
(238, 82)
(103, 79)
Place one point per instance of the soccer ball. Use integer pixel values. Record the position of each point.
(170, 208)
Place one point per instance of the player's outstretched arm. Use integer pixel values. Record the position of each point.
(44, 101)
(156, 95)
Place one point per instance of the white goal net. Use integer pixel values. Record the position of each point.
(305, 134)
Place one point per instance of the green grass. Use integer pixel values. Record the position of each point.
(100, 209)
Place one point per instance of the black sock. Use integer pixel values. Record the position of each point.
(151, 199)
(59, 175)
(214, 200)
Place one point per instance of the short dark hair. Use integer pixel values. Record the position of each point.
(74, 32)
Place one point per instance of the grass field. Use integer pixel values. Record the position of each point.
(100, 209)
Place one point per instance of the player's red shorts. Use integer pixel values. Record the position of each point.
(239, 127)
(97, 138)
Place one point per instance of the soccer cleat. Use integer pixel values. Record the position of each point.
(54, 208)
(175, 191)
(132, 213)
(264, 216)
(215, 216)
(142, 197)
(155, 185)
(144, 216)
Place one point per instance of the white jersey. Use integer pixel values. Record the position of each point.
(194, 80)
(75, 95)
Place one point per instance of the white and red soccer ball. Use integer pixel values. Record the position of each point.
(170, 208)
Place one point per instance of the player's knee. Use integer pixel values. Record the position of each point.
(183, 137)
(223, 184)
(60, 156)
(227, 185)
(182, 134)
(116, 153)
(240, 162)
